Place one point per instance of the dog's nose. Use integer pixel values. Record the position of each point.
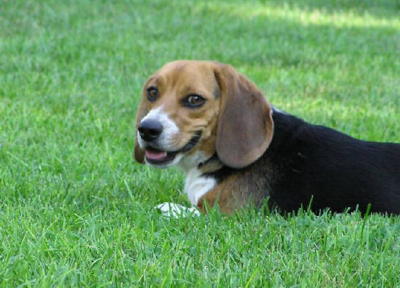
(149, 130)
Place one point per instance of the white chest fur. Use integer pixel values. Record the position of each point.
(196, 185)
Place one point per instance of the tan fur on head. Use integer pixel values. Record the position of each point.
(235, 121)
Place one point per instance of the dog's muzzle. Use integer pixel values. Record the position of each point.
(150, 131)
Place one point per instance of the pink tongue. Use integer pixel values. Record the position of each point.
(155, 155)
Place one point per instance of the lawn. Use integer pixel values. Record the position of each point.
(75, 210)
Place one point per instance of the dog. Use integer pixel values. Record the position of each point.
(238, 150)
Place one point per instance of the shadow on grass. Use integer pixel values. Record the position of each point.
(291, 36)
(379, 8)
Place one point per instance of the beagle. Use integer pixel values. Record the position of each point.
(236, 149)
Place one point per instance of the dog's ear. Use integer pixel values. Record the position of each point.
(139, 152)
(245, 125)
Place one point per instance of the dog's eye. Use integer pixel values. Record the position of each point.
(152, 93)
(193, 101)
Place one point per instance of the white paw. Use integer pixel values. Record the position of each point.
(176, 210)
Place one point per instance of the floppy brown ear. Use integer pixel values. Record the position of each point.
(245, 125)
(139, 152)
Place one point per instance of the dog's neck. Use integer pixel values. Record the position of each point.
(196, 166)
(201, 162)
(212, 164)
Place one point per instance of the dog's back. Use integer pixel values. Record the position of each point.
(323, 168)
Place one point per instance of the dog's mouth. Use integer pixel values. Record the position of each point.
(156, 156)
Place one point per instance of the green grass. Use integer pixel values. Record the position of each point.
(76, 211)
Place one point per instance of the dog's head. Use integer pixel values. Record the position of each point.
(191, 110)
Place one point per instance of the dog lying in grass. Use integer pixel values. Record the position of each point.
(236, 149)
